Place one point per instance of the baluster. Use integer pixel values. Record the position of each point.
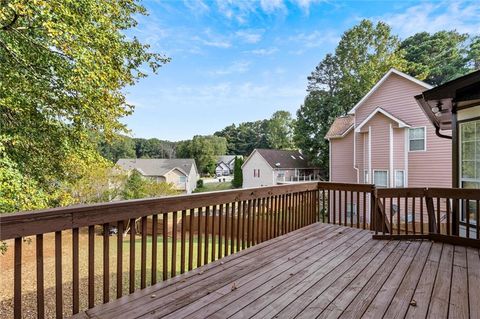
(207, 216)
(58, 275)
(120, 259)
(228, 235)
(398, 215)
(421, 215)
(406, 215)
(143, 258)
(17, 275)
(75, 270)
(173, 271)
(190, 239)
(182, 244)
(448, 216)
(413, 215)
(165, 245)
(106, 263)
(220, 222)
(154, 248)
(214, 214)
(91, 266)
(364, 196)
(467, 213)
(239, 221)
(439, 222)
(334, 206)
(199, 237)
(478, 219)
(40, 279)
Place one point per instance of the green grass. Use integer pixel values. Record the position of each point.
(211, 187)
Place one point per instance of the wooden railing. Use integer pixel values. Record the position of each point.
(162, 237)
(86, 255)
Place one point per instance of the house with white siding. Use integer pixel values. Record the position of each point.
(386, 139)
(268, 167)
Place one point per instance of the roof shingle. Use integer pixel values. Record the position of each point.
(340, 126)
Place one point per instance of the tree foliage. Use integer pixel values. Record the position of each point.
(280, 130)
(64, 65)
(237, 172)
(137, 186)
(204, 149)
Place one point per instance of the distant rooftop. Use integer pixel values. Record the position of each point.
(156, 166)
(284, 158)
(227, 158)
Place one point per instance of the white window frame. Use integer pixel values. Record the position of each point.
(365, 176)
(381, 170)
(182, 177)
(395, 178)
(424, 139)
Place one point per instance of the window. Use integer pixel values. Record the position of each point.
(365, 176)
(182, 179)
(280, 174)
(380, 178)
(256, 172)
(399, 178)
(416, 139)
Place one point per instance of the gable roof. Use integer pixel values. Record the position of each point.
(157, 166)
(340, 127)
(282, 158)
(382, 111)
(385, 77)
(227, 158)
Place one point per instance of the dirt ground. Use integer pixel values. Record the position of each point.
(29, 272)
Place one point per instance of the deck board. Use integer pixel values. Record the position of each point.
(320, 271)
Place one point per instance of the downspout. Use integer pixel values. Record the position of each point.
(437, 132)
(355, 167)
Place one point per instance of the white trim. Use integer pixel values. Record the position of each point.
(380, 110)
(355, 167)
(329, 161)
(391, 155)
(365, 176)
(424, 138)
(395, 177)
(370, 153)
(405, 156)
(343, 135)
(379, 83)
(381, 170)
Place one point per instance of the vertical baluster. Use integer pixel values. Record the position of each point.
(364, 222)
(448, 216)
(75, 270)
(334, 206)
(421, 214)
(232, 229)
(467, 213)
(351, 209)
(358, 209)
(182, 245)
(245, 208)
(132, 256)
(239, 221)
(40, 280)
(58, 275)
(165, 245)
(438, 216)
(173, 270)
(298, 211)
(91, 266)
(106, 263)
(345, 194)
(254, 221)
(406, 215)
(249, 213)
(220, 225)
(214, 241)
(260, 231)
(267, 228)
(143, 258)
(289, 213)
(478, 219)
(227, 235)
(206, 237)
(383, 217)
(190, 239)
(17, 282)
(154, 248)
(199, 236)
(398, 215)
(391, 215)
(120, 259)
(413, 215)
(324, 211)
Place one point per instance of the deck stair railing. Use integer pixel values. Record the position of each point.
(87, 255)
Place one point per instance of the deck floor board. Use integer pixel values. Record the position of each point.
(320, 271)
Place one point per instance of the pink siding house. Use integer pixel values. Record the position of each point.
(387, 139)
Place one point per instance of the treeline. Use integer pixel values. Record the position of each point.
(364, 54)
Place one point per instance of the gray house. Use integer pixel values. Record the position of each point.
(181, 172)
(266, 167)
(225, 164)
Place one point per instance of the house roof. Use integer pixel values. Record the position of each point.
(382, 111)
(461, 92)
(340, 127)
(157, 166)
(283, 158)
(227, 158)
(385, 77)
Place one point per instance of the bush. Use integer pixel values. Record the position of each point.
(200, 183)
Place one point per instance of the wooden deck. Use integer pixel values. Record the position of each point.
(319, 271)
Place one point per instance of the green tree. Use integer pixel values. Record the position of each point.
(237, 172)
(204, 149)
(137, 187)
(280, 130)
(474, 53)
(118, 147)
(64, 66)
(436, 58)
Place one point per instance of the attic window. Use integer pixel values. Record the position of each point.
(293, 156)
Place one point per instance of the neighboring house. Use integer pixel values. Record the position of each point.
(387, 140)
(455, 107)
(226, 164)
(265, 167)
(182, 173)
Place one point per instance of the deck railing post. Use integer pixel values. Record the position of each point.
(455, 217)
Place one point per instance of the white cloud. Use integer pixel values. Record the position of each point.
(315, 39)
(264, 51)
(463, 16)
(196, 6)
(249, 36)
(270, 6)
(237, 67)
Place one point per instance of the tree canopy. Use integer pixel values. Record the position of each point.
(204, 149)
(64, 65)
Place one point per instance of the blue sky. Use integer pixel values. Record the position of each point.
(236, 61)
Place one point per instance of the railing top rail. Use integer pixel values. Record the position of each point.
(346, 187)
(62, 218)
(400, 192)
(454, 193)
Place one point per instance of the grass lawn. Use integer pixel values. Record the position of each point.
(29, 270)
(211, 187)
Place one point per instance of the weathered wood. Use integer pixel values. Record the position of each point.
(173, 270)
(91, 266)
(40, 278)
(441, 291)
(182, 242)
(153, 279)
(75, 272)
(17, 279)
(132, 256)
(106, 263)
(58, 276)
(458, 305)
(120, 231)
(165, 245)
(473, 265)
